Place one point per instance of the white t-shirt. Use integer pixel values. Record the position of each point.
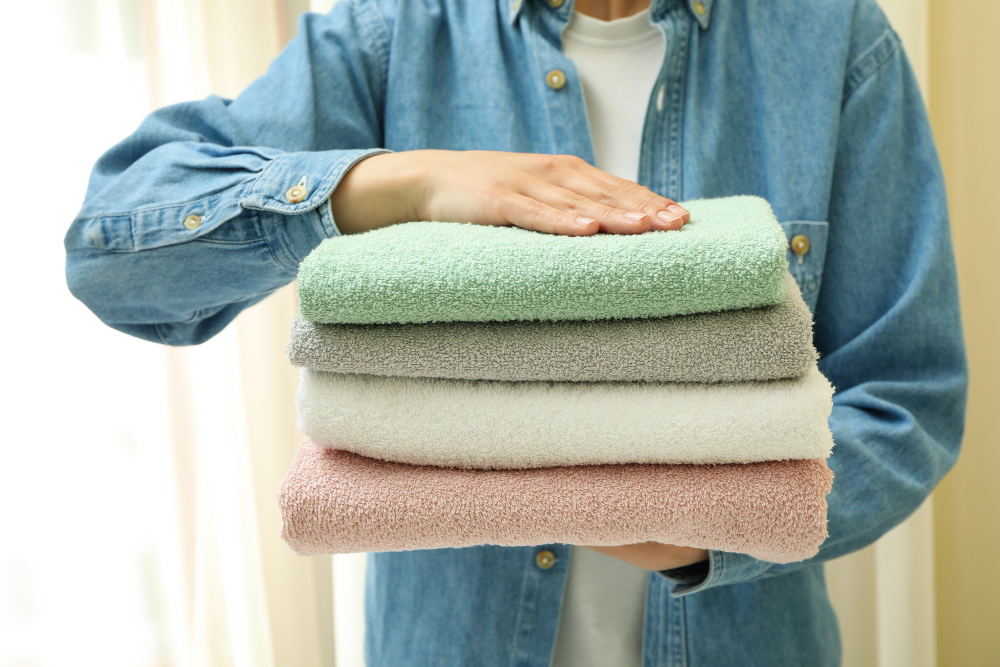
(618, 63)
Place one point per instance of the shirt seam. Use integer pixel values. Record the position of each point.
(681, 63)
(871, 61)
(517, 618)
(248, 242)
(534, 33)
(157, 207)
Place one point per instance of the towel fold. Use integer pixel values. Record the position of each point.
(492, 424)
(730, 255)
(333, 501)
(765, 343)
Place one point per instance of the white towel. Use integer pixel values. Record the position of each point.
(493, 424)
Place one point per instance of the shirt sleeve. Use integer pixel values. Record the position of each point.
(190, 219)
(887, 321)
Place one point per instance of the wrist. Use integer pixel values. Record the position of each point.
(405, 184)
(378, 191)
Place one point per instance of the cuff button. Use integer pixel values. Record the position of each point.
(296, 193)
(192, 222)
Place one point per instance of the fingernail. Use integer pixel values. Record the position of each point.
(636, 216)
(583, 222)
(679, 210)
(669, 217)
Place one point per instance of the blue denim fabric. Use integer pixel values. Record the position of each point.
(812, 105)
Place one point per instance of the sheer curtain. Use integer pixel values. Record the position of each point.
(139, 483)
(88, 568)
(137, 491)
(248, 599)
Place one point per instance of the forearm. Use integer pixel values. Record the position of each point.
(654, 555)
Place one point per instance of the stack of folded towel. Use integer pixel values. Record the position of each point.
(465, 384)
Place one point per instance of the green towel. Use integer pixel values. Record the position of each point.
(730, 255)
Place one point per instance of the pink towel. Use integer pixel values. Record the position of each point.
(333, 501)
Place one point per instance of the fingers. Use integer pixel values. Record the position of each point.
(611, 219)
(530, 213)
(605, 188)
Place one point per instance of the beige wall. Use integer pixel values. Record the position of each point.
(965, 114)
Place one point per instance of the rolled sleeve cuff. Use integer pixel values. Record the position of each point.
(723, 567)
(294, 228)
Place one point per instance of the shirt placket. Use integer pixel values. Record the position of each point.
(664, 633)
(561, 91)
(660, 167)
(660, 155)
(542, 586)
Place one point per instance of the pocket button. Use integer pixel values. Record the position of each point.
(800, 244)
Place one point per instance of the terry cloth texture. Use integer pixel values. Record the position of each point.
(334, 501)
(730, 255)
(493, 424)
(765, 343)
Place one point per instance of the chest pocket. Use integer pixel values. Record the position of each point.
(806, 255)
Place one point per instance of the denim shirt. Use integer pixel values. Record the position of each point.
(811, 105)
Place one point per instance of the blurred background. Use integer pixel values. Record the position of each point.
(138, 515)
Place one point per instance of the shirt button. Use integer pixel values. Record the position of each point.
(545, 559)
(699, 8)
(555, 4)
(296, 193)
(556, 79)
(800, 244)
(192, 221)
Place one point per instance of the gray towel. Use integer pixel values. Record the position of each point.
(766, 343)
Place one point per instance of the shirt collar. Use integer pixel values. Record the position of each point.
(701, 10)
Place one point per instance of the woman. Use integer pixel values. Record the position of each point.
(545, 114)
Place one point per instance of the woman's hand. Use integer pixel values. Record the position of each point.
(655, 556)
(557, 194)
